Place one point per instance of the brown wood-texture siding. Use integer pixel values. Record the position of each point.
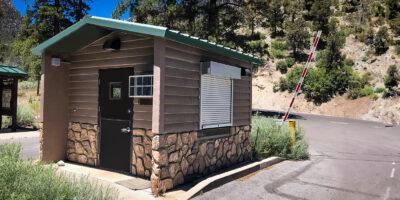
(182, 88)
(136, 52)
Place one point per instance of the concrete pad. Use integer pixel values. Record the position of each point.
(19, 135)
(108, 179)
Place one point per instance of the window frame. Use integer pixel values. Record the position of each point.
(132, 87)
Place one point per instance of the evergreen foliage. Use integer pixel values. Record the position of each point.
(392, 79)
(381, 41)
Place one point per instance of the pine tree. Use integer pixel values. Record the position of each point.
(275, 16)
(297, 35)
(392, 78)
(321, 12)
(381, 41)
(331, 57)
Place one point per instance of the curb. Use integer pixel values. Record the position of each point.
(220, 179)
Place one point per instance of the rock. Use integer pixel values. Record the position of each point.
(147, 173)
(70, 144)
(147, 162)
(246, 128)
(86, 146)
(138, 132)
(178, 142)
(190, 170)
(92, 135)
(178, 179)
(192, 138)
(220, 152)
(149, 133)
(84, 135)
(213, 160)
(185, 138)
(233, 149)
(139, 166)
(82, 159)
(79, 148)
(77, 136)
(91, 161)
(160, 157)
(72, 157)
(139, 150)
(157, 142)
(174, 157)
(137, 139)
(167, 184)
(164, 173)
(185, 149)
(76, 127)
(191, 158)
(203, 149)
(155, 184)
(202, 165)
(71, 135)
(210, 149)
(184, 166)
(60, 163)
(173, 169)
(171, 139)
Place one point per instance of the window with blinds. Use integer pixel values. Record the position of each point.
(216, 101)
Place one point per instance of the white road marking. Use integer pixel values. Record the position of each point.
(393, 163)
(387, 193)
(392, 173)
(336, 122)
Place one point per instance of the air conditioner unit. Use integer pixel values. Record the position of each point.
(220, 69)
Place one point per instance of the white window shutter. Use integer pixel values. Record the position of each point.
(216, 101)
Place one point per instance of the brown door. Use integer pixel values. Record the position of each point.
(115, 116)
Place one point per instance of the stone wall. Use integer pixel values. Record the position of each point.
(182, 157)
(141, 152)
(82, 143)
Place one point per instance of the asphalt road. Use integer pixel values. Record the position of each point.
(350, 159)
(28, 140)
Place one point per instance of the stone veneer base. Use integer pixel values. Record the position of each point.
(82, 143)
(182, 157)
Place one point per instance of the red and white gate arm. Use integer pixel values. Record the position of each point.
(304, 73)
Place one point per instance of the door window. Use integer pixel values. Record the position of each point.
(115, 90)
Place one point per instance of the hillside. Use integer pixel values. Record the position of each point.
(384, 110)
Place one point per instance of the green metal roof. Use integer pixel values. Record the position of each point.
(12, 71)
(85, 30)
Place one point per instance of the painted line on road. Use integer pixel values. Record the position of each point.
(387, 193)
(393, 163)
(336, 122)
(392, 173)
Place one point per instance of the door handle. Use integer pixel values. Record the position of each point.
(126, 130)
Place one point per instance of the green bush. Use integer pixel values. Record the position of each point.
(366, 91)
(279, 54)
(349, 62)
(282, 66)
(278, 45)
(381, 41)
(268, 138)
(289, 62)
(24, 180)
(25, 116)
(379, 90)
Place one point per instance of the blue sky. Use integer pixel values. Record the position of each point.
(102, 8)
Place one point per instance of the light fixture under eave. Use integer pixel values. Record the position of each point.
(112, 44)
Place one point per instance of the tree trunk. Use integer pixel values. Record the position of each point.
(212, 17)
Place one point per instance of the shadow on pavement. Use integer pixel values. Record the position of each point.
(277, 114)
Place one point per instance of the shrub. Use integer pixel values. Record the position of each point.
(25, 180)
(282, 66)
(379, 90)
(392, 79)
(268, 138)
(279, 54)
(25, 116)
(349, 62)
(27, 85)
(289, 62)
(278, 45)
(381, 41)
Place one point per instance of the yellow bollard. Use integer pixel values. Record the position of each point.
(292, 131)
